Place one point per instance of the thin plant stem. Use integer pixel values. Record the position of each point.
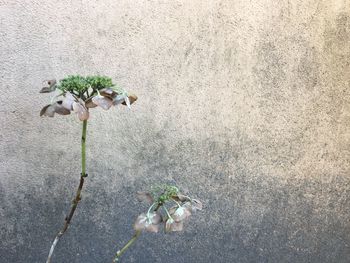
(77, 197)
(131, 241)
(126, 246)
(83, 150)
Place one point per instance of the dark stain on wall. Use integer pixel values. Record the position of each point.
(248, 217)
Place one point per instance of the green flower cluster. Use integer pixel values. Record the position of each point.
(164, 193)
(80, 85)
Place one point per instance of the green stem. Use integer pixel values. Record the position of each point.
(126, 246)
(132, 240)
(77, 197)
(83, 150)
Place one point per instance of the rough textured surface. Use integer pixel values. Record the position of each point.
(245, 104)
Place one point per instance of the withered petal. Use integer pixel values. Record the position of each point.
(148, 222)
(132, 99)
(182, 198)
(156, 217)
(172, 226)
(108, 92)
(81, 110)
(104, 102)
(48, 86)
(68, 100)
(48, 110)
(141, 222)
(180, 214)
(47, 89)
(60, 109)
(177, 226)
(193, 205)
(90, 104)
(67, 104)
(197, 204)
(152, 228)
(145, 196)
(172, 209)
(119, 99)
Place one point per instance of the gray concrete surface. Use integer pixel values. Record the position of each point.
(244, 104)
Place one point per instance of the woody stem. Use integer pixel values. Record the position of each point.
(77, 197)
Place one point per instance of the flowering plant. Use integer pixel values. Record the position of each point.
(159, 213)
(80, 94)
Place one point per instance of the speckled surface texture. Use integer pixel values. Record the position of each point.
(244, 104)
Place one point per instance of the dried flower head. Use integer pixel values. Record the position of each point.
(82, 93)
(160, 197)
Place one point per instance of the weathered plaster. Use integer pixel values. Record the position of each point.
(245, 104)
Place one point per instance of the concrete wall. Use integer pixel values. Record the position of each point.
(244, 104)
